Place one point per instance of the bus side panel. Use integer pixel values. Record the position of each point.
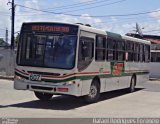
(124, 80)
(104, 81)
(103, 85)
(144, 77)
(85, 87)
(87, 83)
(139, 69)
(111, 83)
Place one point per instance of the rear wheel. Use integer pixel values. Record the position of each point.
(94, 92)
(132, 84)
(43, 96)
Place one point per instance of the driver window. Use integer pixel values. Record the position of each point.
(85, 54)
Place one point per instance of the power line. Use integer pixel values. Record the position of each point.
(4, 15)
(81, 5)
(121, 21)
(96, 6)
(5, 30)
(2, 29)
(116, 15)
(78, 5)
(147, 19)
(108, 22)
(73, 5)
(4, 12)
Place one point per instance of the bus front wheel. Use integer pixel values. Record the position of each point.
(43, 96)
(94, 92)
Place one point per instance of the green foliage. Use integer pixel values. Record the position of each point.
(1, 41)
(16, 39)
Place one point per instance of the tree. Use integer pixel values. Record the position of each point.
(16, 39)
(1, 41)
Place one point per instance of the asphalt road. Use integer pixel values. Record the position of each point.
(23, 104)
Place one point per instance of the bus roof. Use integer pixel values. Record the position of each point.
(113, 35)
(97, 31)
(91, 29)
(128, 38)
(48, 23)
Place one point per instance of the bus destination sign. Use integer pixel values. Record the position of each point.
(64, 29)
(54, 28)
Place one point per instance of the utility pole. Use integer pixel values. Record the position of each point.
(6, 36)
(12, 25)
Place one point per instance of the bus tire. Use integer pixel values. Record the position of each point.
(132, 84)
(94, 92)
(43, 96)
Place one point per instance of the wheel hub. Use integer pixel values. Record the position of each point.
(93, 91)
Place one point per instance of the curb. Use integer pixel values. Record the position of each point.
(154, 79)
(7, 77)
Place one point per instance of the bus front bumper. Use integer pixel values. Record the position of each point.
(73, 88)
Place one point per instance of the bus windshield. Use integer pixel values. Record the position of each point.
(54, 51)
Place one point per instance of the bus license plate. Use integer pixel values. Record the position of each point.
(35, 77)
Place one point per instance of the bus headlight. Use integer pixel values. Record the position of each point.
(70, 82)
(18, 77)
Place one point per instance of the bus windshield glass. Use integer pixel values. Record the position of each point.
(53, 51)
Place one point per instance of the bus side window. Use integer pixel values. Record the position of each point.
(141, 53)
(85, 53)
(120, 50)
(136, 52)
(129, 50)
(100, 48)
(111, 51)
(147, 53)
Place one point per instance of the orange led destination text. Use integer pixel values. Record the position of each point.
(50, 28)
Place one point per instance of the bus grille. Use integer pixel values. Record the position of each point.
(41, 88)
(44, 73)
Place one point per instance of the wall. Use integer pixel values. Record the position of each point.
(7, 62)
(154, 70)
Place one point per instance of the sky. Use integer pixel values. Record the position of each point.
(119, 16)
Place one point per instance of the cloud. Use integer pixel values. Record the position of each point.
(65, 18)
(151, 28)
(32, 4)
(155, 14)
(5, 16)
(95, 22)
(155, 26)
(114, 19)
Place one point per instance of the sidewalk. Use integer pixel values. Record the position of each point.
(6, 77)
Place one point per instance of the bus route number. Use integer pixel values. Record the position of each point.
(34, 77)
